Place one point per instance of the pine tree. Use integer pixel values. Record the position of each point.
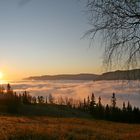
(99, 102)
(9, 90)
(34, 100)
(1, 89)
(46, 100)
(113, 101)
(88, 103)
(8, 87)
(40, 99)
(124, 108)
(129, 107)
(51, 99)
(26, 98)
(92, 104)
(100, 108)
(107, 112)
(85, 105)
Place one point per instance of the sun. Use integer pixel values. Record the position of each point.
(1, 75)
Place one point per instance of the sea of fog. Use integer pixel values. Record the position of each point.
(125, 90)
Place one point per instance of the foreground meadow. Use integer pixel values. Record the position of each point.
(51, 128)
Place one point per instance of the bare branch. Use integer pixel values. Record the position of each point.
(118, 22)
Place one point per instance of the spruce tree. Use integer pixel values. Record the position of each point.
(92, 104)
(113, 101)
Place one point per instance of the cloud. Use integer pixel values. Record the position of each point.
(81, 89)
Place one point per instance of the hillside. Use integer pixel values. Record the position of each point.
(46, 128)
(114, 75)
(60, 122)
(52, 111)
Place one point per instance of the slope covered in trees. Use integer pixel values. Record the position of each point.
(25, 104)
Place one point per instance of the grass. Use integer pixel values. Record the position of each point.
(51, 128)
(55, 122)
(52, 110)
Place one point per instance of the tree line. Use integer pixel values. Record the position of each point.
(12, 103)
(111, 112)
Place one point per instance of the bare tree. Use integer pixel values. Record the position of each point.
(118, 24)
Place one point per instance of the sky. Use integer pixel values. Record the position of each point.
(41, 37)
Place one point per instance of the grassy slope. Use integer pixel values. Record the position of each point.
(43, 128)
(52, 110)
(53, 122)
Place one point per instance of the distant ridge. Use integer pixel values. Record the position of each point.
(114, 75)
(120, 75)
(64, 77)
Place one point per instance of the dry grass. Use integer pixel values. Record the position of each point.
(47, 128)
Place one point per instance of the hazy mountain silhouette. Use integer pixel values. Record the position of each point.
(64, 77)
(121, 75)
(114, 75)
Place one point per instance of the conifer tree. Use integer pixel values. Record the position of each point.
(46, 100)
(34, 100)
(113, 101)
(85, 105)
(2, 89)
(124, 107)
(129, 107)
(107, 111)
(40, 99)
(9, 90)
(92, 104)
(51, 99)
(99, 102)
(88, 103)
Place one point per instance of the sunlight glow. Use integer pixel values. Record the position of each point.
(1, 75)
(2, 81)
